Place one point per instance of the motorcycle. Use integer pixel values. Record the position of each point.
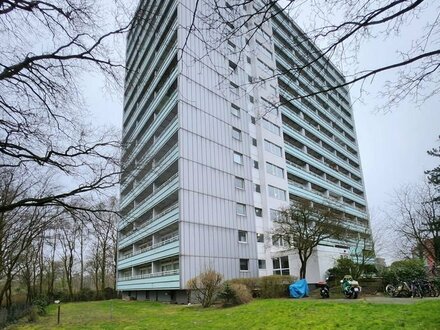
(350, 287)
(324, 289)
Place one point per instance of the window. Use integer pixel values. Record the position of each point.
(275, 215)
(261, 264)
(258, 212)
(251, 99)
(254, 142)
(272, 148)
(257, 188)
(253, 120)
(235, 92)
(260, 238)
(256, 164)
(238, 158)
(232, 67)
(281, 266)
(236, 133)
(240, 209)
(277, 193)
(235, 110)
(249, 60)
(231, 46)
(244, 264)
(274, 170)
(271, 126)
(239, 182)
(278, 241)
(242, 236)
(250, 79)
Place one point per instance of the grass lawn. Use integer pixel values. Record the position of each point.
(259, 314)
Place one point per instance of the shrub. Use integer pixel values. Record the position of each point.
(205, 287)
(252, 283)
(33, 314)
(404, 270)
(235, 294)
(39, 305)
(242, 294)
(275, 286)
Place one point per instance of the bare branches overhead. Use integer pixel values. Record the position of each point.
(47, 48)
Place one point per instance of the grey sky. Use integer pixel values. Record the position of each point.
(392, 145)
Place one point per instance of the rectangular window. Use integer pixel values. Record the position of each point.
(277, 193)
(260, 238)
(261, 264)
(257, 188)
(240, 209)
(235, 110)
(275, 215)
(273, 148)
(253, 120)
(254, 142)
(239, 182)
(238, 158)
(271, 127)
(244, 264)
(274, 170)
(256, 164)
(232, 67)
(281, 266)
(251, 99)
(235, 91)
(258, 212)
(236, 133)
(242, 236)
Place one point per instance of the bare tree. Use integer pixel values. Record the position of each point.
(44, 50)
(303, 226)
(19, 228)
(434, 174)
(417, 218)
(339, 28)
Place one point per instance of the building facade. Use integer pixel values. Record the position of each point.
(217, 141)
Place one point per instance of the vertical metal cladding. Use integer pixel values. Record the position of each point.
(209, 157)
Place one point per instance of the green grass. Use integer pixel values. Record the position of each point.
(259, 314)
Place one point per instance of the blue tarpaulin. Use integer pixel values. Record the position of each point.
(299, 289)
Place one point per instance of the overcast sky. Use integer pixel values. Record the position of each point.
(392, 145)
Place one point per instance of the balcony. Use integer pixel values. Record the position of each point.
(169, 279)
(151, 247)
(159, 194)
(166, 217)
(160, 250)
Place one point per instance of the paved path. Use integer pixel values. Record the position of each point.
(382, 300)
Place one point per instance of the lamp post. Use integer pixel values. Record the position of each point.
(58, 302)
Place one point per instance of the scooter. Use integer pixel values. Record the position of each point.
(324, 289)
(350, 287)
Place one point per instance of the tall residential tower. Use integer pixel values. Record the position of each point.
(217, 142)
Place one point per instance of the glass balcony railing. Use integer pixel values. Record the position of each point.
(150, 247)
(149, 275)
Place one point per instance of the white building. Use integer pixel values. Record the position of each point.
(210, 156)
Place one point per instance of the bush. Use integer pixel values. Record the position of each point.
(242, 294)
(205, 287)
(235, 294)
(404, 270)
(252, 283)
(39, 305)
(85, 294)
(275, 286)
(33, 314)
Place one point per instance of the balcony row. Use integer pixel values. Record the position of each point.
(311, 156)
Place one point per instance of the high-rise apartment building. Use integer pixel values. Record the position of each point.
(217, 141)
